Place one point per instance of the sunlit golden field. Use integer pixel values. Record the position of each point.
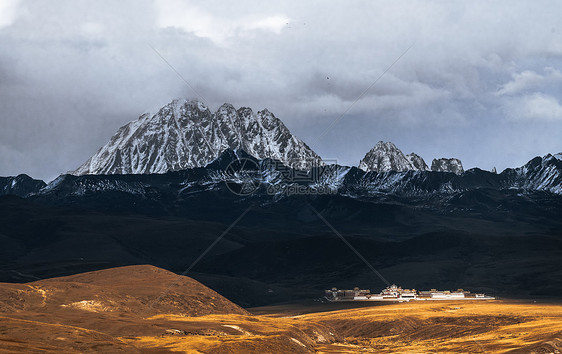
(144, 309)
(470, 327)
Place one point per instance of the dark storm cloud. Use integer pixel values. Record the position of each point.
(481, 83)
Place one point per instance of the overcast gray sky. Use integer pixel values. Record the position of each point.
(483, 81)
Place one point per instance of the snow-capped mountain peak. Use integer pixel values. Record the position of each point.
(385, 156)
(417, 162)
(185, 134)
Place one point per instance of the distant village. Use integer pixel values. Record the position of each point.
(396, 293)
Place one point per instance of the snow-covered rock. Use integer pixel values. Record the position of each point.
(541, 173)
(447, 165)
(417, 162)
(185, 134)
(385, 156)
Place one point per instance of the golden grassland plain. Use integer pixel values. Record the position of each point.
(415, 327)
(114, 311)
(462, 326)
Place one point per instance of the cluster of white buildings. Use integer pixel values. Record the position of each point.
(396, 293)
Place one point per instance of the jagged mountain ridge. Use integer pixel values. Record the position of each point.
(539, 174)
(386, 157)
(185, 134)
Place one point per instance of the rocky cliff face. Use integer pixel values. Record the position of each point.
(185, 134)
(447, 165)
